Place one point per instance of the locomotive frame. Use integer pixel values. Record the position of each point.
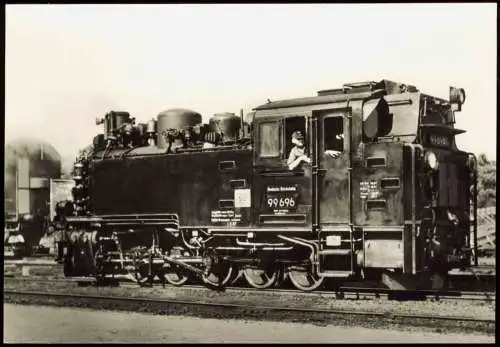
(397, 205)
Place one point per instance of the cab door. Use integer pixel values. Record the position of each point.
(331, 167)
(282, 197)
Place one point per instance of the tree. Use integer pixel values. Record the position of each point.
(486, 181)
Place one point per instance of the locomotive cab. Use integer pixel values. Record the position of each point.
(376, 205)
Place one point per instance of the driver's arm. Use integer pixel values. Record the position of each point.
(333, 153)
(293, 159)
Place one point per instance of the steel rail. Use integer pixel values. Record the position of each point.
(340, 293)
(360, 292)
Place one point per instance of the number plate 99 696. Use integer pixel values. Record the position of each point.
(281, 201)
(439, 140)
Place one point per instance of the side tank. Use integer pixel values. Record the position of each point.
(178, 118)
(226, 125)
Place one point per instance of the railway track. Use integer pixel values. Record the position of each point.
(347, 292)
(261, 312)
(479, 290)
(375, 293)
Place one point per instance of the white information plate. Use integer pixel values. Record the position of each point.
(333, 240)
(242, 198)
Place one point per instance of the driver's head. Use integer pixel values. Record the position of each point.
(298, 138)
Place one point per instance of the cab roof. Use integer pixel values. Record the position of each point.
(349, 91)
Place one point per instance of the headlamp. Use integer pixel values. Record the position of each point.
(457, 98)
(27, 217)
(457, 95)
(431, 160)
(452, 217)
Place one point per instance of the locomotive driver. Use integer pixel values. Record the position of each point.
(297, 153)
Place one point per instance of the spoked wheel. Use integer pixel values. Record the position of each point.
(175, 276)
(238, 274)
(141, 275)
(223, 276)
(261, 278)
(304, 279)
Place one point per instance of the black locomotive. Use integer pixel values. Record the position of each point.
(381, 192)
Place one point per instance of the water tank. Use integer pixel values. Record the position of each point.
(227, 125)
(177, 118)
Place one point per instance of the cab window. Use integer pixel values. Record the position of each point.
(334, 133)
(292, 124)
(270, 140)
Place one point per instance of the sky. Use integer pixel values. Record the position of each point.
(67, 65)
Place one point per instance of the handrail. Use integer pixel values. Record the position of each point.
(413, 148)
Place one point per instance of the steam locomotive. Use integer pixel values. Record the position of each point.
(30, 165)
(178, 199)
